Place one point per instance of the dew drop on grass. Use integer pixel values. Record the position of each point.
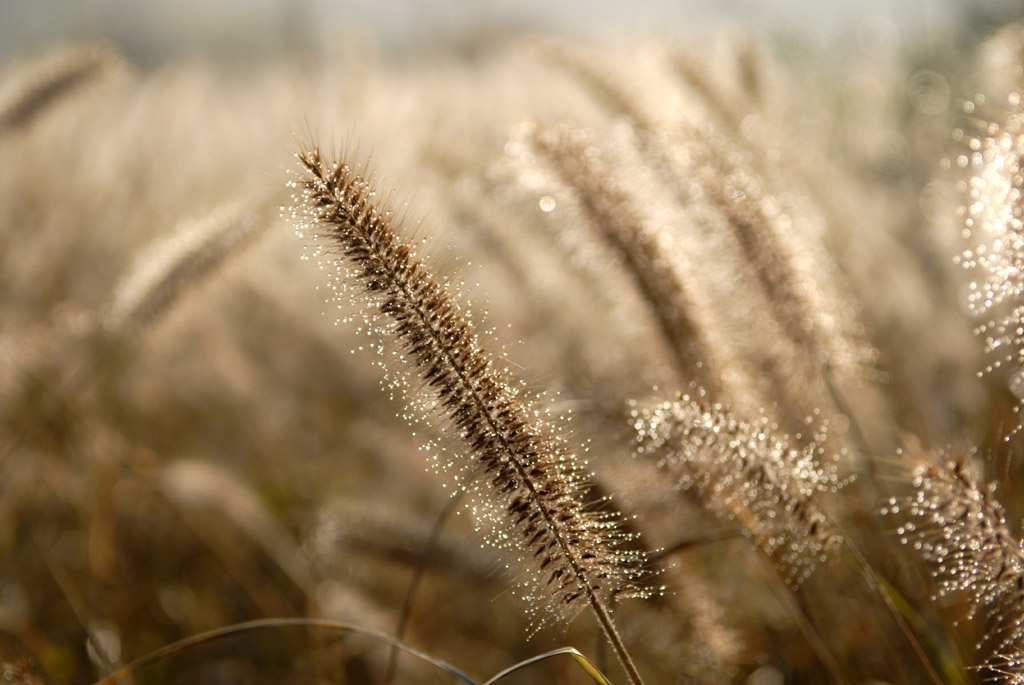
(1016, 384)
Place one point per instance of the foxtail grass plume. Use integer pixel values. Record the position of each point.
(172, 264)
(572, 159)
(49, 81)
(527, 487)
(994, 220)
(708, 161)
(745, 471)
(959, 527)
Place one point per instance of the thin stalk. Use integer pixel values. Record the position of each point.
(618, 646)
(417, 575)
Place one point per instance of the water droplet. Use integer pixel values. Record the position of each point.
(1016, 384)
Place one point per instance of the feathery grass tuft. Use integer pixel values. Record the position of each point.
(51, 80)
(571, 157)
(994, 218)
(525, 483)
(171, 264)
(744, 471)
(959, 527)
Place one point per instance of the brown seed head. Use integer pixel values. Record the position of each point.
(527, 487)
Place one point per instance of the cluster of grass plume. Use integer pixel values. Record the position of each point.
(957, 525)
(994, 225)
(666, 219)
(746, 472)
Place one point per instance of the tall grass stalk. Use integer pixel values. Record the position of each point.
(525, 484)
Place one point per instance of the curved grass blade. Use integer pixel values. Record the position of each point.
(585, 663)
(421, 565)
(187, 643)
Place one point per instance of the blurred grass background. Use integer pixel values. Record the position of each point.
(232, 458)
(153, 31)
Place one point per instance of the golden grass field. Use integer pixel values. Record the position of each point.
(666, 341)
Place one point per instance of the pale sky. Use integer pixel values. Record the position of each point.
(156, 29)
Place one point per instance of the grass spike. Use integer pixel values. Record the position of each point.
(524, 482)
